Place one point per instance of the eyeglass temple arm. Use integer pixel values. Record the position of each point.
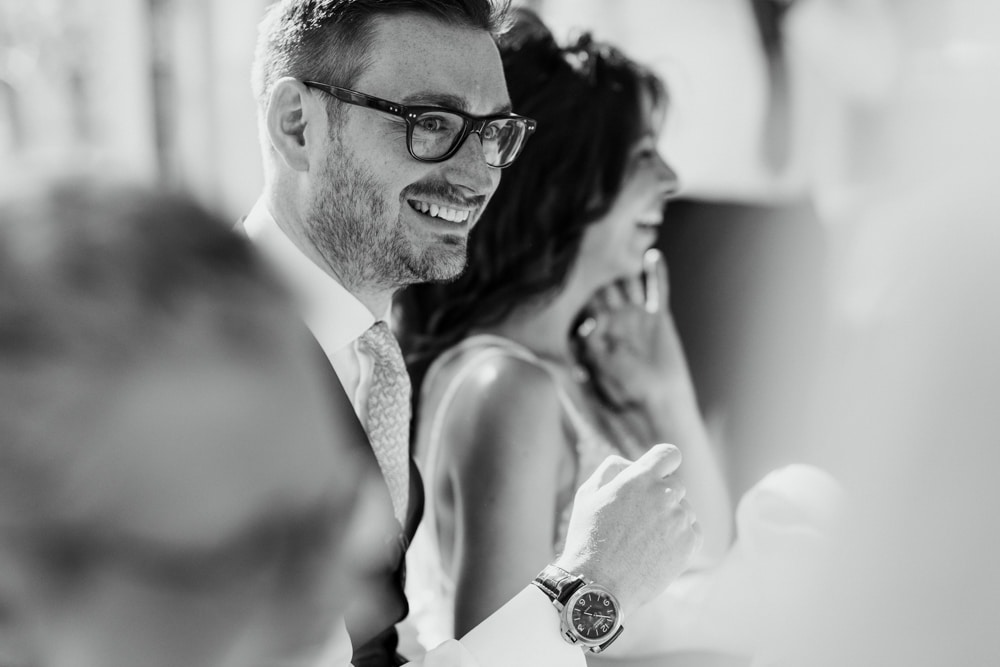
(360, 99)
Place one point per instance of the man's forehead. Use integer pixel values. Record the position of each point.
(416, 59)
(439, 98)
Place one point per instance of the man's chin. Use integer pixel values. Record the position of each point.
(442, 264)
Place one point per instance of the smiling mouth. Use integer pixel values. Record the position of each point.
(650, 221)
(440, 211)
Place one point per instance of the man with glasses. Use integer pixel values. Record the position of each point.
(384, 127)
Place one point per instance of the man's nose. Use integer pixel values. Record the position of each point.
(467, 168)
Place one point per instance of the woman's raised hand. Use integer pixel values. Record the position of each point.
(629, 344)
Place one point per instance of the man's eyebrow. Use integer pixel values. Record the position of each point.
(447, 100)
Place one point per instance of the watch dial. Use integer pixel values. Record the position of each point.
(594, 615)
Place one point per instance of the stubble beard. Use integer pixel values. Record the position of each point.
(349, 225)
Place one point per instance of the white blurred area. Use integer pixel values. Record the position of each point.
(913, 405)
(709, 54)
(159, 88)
(895, 138)
(155, 89)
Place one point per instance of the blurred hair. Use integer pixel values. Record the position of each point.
(97, 281)
(588, 99)
(329, 40)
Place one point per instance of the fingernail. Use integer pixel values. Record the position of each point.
(586, 327)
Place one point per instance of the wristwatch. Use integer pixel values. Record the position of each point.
(589, 614)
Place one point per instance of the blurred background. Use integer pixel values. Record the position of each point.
(783, 117)
(769, 95)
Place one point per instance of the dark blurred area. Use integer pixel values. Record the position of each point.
(747, 293)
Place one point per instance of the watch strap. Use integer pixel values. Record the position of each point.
(558, 584)
(610, 640)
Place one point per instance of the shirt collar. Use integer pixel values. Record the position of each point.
(333, 314)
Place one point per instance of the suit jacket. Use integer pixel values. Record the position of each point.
(381, 601)
(524, 631)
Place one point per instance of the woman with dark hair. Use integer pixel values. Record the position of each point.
(555, 349)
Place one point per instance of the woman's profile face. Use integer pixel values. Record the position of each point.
(613, 246)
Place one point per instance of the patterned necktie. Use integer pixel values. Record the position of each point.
(387, 413)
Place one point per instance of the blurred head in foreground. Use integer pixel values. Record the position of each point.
(170, 488)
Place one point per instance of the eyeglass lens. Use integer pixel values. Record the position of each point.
(436, 132)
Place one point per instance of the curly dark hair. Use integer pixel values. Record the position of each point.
(588, 100)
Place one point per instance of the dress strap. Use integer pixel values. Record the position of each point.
(492, 345)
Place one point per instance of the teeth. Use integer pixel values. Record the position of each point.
(443, 212)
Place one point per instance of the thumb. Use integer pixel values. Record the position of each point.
(660, 460)
(656, 281)
(607, 471)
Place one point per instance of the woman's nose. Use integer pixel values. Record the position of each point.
(671, 182)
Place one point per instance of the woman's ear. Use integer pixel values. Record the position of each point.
(288, 114)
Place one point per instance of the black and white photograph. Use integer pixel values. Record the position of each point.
(482, 333)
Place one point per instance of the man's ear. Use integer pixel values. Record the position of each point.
(289, 111)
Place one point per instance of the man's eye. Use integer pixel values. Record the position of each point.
(432, 124)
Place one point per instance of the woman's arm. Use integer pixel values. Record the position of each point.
(638, 365)
(674, 417)
(508, 453)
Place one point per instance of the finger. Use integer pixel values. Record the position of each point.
(676, 492)
(633, 289)
(685, 507)
(656, 281)
(699, 537)
(597, 339)
(610, 468)
(660, 460)
(599, 301)
(613, 297)
(586, 327)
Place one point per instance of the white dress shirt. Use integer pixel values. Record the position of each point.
(525, 631)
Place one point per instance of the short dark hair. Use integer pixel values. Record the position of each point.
(97, 280)
(588, 100)
(329, 40)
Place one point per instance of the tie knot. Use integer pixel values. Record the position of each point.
(379, 342)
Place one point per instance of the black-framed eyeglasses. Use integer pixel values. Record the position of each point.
(434, 134)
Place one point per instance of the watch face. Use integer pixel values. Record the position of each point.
(594, 615)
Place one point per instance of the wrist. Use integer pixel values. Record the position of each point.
(591, 570)
(671, 394)
(590, 615)
(668, 410)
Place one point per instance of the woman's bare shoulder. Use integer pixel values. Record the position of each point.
(504, 406)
